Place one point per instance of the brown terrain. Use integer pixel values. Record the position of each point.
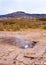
(11, 54)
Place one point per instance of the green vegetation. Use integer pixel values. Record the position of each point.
(22, 23)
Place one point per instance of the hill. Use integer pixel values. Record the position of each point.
(20, 14)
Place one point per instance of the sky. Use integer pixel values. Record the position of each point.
(28, 6)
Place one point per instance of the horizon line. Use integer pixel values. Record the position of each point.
(21, 11)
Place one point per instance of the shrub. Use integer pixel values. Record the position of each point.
(14, 24)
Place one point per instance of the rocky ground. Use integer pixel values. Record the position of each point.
(13, 55)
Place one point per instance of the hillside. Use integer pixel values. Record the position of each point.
(14, 24)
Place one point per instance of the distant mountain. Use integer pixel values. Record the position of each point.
(21, 14)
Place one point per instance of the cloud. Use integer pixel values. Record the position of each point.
(31, 6)
(19, 0)
(10, 10)
(6, 11)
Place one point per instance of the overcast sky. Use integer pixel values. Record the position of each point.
(29, 6)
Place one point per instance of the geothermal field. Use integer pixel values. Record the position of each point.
(23, 47)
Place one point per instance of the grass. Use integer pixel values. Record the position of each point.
(14, 24)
